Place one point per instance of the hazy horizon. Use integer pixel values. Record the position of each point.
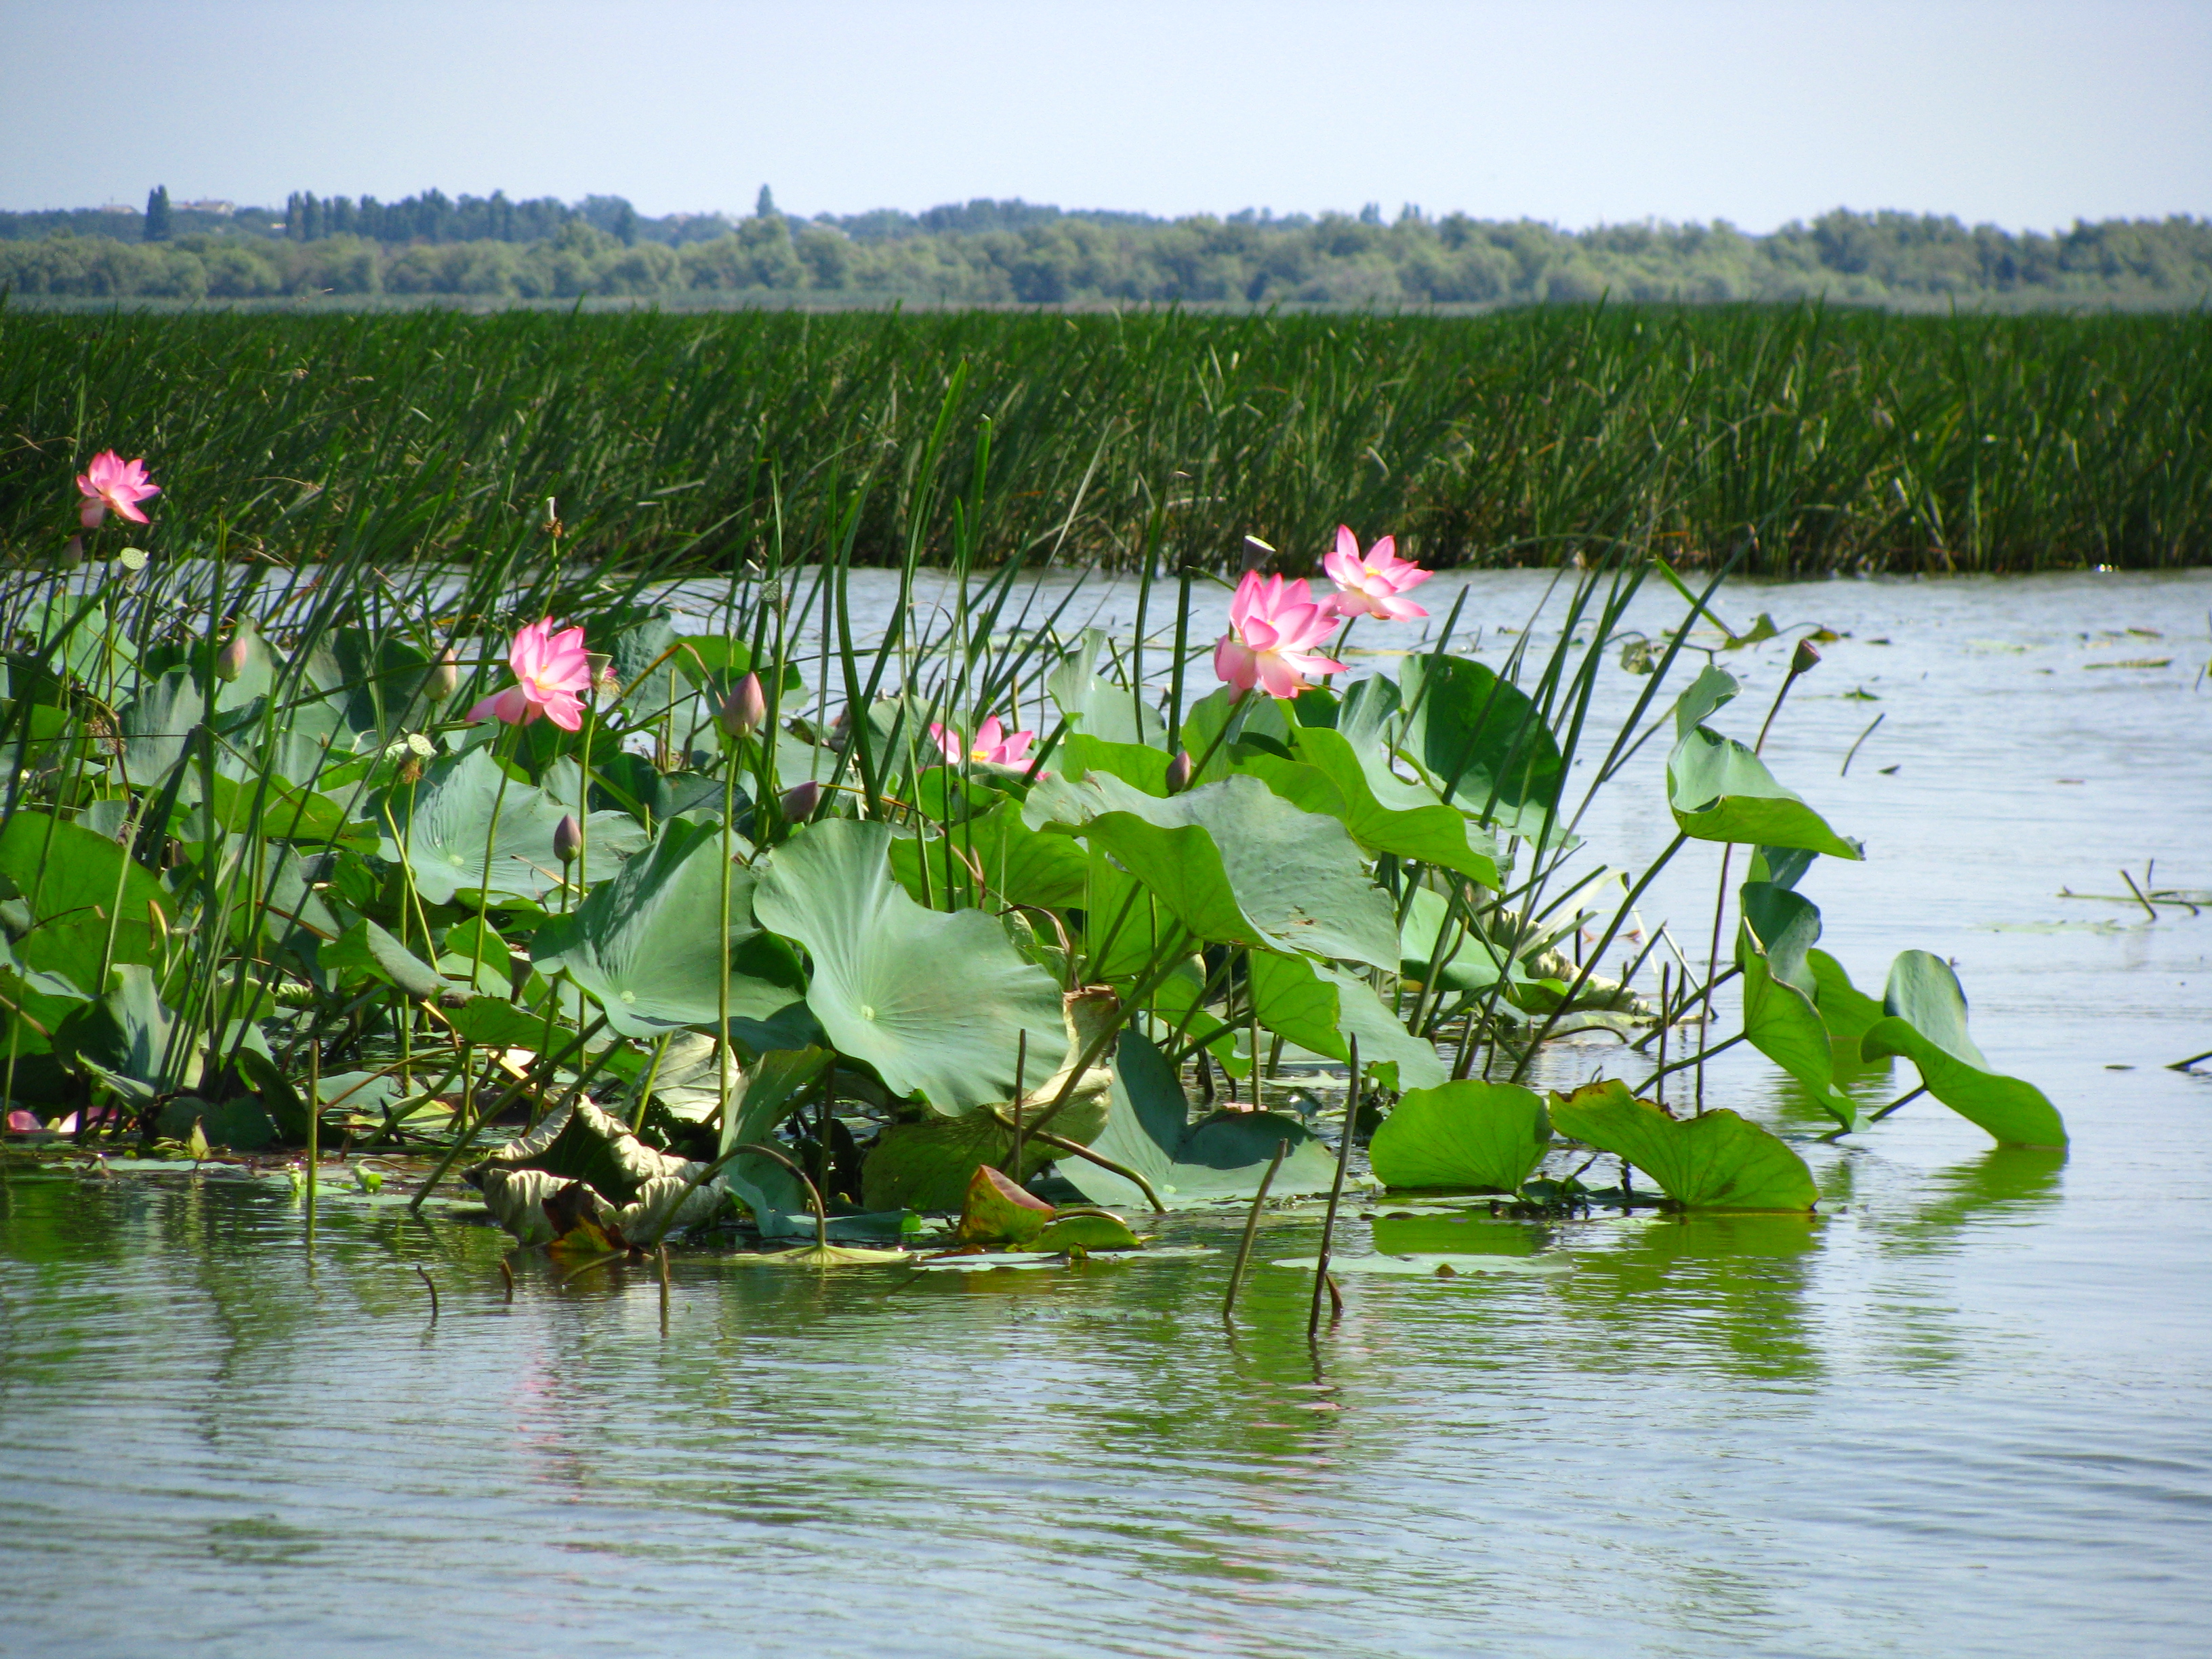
(1592, 112)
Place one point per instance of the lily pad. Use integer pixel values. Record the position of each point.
(459, 812)
(998, 1211)
(1714, 1162)
(1462, 1134)
(1925, 1022)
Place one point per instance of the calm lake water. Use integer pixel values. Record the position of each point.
(1967, 1412)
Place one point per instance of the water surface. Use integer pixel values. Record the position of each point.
(1965, 1412)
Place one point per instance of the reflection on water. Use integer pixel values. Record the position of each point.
(1965, 1412)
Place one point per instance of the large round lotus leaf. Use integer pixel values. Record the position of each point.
(936, 1003)
(1926, 1023)
(1479, 736)
(453, 817)
(1235, 864)
(1714, 1162)
(646, 947)
(1465, 1133)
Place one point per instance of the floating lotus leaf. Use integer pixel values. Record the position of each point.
(1714, 1162)
(1925, 1022)
(1020, 866)
(1465, 1135)
(935, 1003)
(635, 1191)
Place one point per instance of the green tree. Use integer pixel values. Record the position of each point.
(157, 214)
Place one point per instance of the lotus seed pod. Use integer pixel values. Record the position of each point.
(745, 708)
(799, 801)
(1804, 660)
(568, 839)
(230, 661)
(1179, 770)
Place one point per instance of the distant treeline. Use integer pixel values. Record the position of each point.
(984, 253)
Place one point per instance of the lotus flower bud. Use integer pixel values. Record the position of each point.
(1804, 660)
(230, 662)
(552, 516)
(799, 801)
(1179, 770)
(745, 708)
(445, 675)
(567, 838)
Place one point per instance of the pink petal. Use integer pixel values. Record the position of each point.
(990, 734)
(1235, 664)
(92, 512)
(1241, 602)
(1347, 545)
(1276, 678)
(564, 708)
(947, 740)
(129, 510)
(23, 1123)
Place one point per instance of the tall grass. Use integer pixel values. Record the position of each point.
(1817, 441)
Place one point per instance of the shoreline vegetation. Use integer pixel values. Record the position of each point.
(1780, 441)
(489, 250)
(642, 933)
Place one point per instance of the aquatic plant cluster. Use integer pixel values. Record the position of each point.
(627, 927)
(1797, 439)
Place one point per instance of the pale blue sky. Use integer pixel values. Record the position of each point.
(2027, 113)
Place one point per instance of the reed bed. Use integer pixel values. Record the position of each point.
(1799, 439)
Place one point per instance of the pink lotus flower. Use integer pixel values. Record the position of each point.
(550, 669)
(1369, 586)
(1273, 626)
(21, 1122)
(111, 481)
(994, 746)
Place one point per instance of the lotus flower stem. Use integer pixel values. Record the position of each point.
(1021, 1069)
(1351, 1093)
(431, 1285)
(1251, 1232)
(314, 1135)
(1075, 1148)
(1903, 1099)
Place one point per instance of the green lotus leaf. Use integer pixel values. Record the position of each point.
(935, 1003)
(64, 871)
(1925, 1022)
(447, 822)
(1467, 963)
(1097, 706)
(1465, 1135)
(1480, 737)
(646, 944)
(1020, 866)
(1235, 863)
(1219, 1157)
(1780, 1017)
(130, 1039)
(1384, 812)
(997, 1212)
(1721, 790)
(371, 948)
(1086, 1229)
(1848, 1011)
(1319, 1006)
(1705, 696)
(1714, 1162)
